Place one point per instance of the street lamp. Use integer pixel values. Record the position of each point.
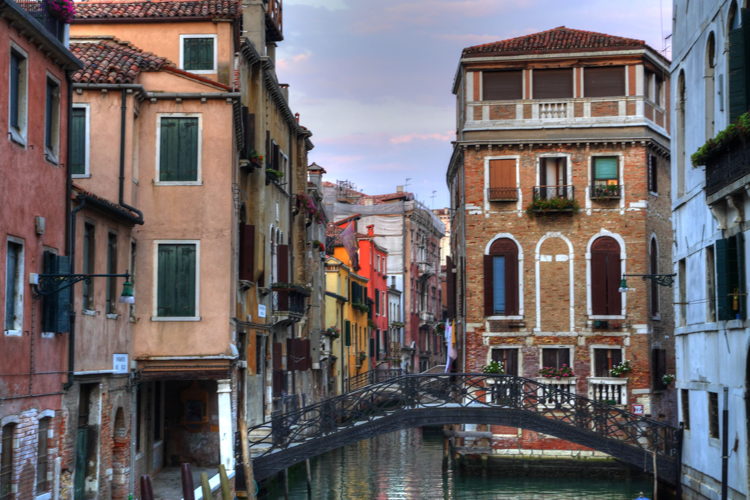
(659, 279)
(50, 284)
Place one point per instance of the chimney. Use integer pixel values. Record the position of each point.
(285, 91)
(371, 230)
(400, 189)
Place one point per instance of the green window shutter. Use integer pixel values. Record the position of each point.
(605, 168)
(723, 308)
(176, 280)
(56, 306)
(178, 149)
(347, 333)
(740, 275)
(738, 70)
(78, 141)
(198, 54)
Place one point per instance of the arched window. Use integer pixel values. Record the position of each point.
(737, 94)
(605, 277)
(501, 278)
(653, 265)
(710, 85)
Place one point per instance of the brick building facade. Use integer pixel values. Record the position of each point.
(559, 186)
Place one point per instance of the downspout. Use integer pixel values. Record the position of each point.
(70, 231)
(121, 192)
(725, 446)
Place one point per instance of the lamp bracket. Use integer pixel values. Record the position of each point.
(48, 284)
(659, 279)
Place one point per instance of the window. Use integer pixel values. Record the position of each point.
(89, 255)
(658, 368)
(501, 278)
(653, 266)
(198, 53)
(738, 68)
(502, 177)
(654, 85)
(604, 82)
(710, 285)
(52, 120)
(605, 277)
(179, 149)
(713, 415)
(502, 85)
(730, 277)
(552, 83)
(682, 292)
(14, 288)
(709, 83)
(18, 89)
(111, 269)
(509, 359)
(6, 462)
(42, 456)
(79, 140)
(653, 171)
(176, 281)
(605, 177)
(556, 357)
(605, 360)
(685, 406)
(553, 179)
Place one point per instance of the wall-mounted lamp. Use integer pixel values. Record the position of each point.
(659, 279)
(50, 284)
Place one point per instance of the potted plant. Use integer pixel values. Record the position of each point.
(551, 205)
(667, 379)
(332, 332)
(564, 371)
(621, 368)
(273, 175)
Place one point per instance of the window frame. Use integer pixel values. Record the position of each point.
(519, 358)
(88, 266)
(519, 313)
(590, 277)
(155, 312)
(86, 141)
(569, 348)
(52, 119)
(17, 331)
(600, 347)
(712, 406)
(198, 170)
(685, 408)
(215, 53)
(19, 134)
(43, 486)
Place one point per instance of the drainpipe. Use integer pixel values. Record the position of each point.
(121, 197)
(70, 231)
(725, 446)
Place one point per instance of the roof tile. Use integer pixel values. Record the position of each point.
(111, 10)
(109, 60)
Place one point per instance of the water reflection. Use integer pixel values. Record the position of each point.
(409, 465)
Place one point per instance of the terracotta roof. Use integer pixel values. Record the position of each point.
(170, 9)
(560, 39)
(109, 60)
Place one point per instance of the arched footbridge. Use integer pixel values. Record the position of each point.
(467, 398)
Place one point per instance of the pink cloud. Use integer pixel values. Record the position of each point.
(295, 60)
(403, 139)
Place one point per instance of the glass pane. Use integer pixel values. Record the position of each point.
(11, 284)
(605, 168)
(198, 54)
(498, 284)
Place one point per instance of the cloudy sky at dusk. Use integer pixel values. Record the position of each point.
(372, 80)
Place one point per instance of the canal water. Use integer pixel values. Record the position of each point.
(409, 465)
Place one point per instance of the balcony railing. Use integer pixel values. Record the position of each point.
(608, 390)
(550, 112)
(727, 166)
(289, 302)
(599, 191)
(564, 191)
(38, 10)
(564, 386)
(502, 194)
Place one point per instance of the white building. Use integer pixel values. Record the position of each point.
(710, 212)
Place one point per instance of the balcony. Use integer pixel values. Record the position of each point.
(38, 10)
(274, 19)
(591, 111)
(612, 391)
(565, 387)
(425, 269)
(288, 303)
(502, 194)
(726, 167)
(601, 191)
(553, 199)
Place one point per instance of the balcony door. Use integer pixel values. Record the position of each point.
(553, 178)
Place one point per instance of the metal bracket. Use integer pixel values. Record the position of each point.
(660, 279)
(48, 284)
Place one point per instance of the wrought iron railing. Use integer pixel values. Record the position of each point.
(38, 10)
(599, 191)
(558, 406)
(563, 191)
(371, 377)
(502, 194)
(288, 301)
(727, 166)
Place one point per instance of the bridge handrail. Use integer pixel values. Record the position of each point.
(464, 389)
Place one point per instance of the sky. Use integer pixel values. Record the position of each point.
(372, 80)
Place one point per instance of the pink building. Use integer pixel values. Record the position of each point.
(373, 262)
(34, 103)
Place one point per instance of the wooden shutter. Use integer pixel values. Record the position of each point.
(502, 85)
(488, 295)
(176, 285)
(553, 83)
(509, 359)
(653, 266)
(724, 301)
(605, 277)
(247, 252)
(605, 167)
(555, 357)
(738, 70)
(78, 141)
(279, 379)
(56, 306)
(507, 248)
(178, 149)
(604, 82)
(282, 263)
(198, 54)
(740, 268)
(605, 360)
(347, 333)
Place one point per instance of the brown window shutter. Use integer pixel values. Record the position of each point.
(282, 263)
(553, 83)
(507, 248)
(605, 277)
(503, 173)
(488, 305)
(604, 82)
(247, 252)
(291, 354)
(502, 85)
(306, 354)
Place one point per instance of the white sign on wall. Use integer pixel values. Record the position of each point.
(119, 363)
(261, 311)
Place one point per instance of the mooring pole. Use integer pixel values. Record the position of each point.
(656, 476)
(309, 478)
(286, 484)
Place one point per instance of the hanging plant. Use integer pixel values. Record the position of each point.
(64, 10)
(740, 129)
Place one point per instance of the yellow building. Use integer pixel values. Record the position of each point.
(346, 321)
